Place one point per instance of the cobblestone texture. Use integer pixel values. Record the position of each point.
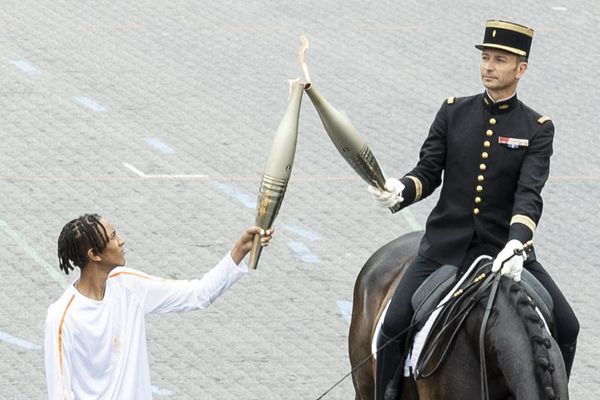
(209, 80)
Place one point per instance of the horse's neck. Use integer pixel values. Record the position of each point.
(509, 348)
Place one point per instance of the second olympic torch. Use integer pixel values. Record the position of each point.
(348, 142)
(278, 169)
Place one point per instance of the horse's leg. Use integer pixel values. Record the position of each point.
(365, 311)
(374, 286)
(371, 294)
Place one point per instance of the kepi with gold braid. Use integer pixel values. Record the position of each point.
(507, 36)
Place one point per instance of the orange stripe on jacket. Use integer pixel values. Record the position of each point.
(60, 358)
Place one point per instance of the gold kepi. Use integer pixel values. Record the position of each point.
(348, 141)
(278, 169)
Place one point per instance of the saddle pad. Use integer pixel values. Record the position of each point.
(428, 295)
(377, 331)
(421, 335)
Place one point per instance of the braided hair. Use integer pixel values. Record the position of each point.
(540, 343)
(77, 237)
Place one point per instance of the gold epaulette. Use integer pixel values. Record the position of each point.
(543, 119)
(450, 100)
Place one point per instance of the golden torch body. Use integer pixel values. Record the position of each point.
(348, 141)
(278, 169)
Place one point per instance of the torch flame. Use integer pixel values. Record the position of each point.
(303, 48)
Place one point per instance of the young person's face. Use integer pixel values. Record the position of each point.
(114, 253)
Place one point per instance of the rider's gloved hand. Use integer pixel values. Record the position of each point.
(513, 267)
(390, 196)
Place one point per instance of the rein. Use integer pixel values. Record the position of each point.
(488, 309)
(464, 305)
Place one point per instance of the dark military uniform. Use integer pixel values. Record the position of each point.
(495, 158)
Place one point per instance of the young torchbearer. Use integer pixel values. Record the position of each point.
(95, 335)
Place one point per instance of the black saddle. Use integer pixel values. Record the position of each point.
(438, 284)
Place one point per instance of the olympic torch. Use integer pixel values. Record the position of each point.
(278, 168)
(346, 139)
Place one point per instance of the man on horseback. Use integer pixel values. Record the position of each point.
(494, 153)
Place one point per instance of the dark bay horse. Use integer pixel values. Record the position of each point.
(522, 360)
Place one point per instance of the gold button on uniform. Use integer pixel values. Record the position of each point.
(482, 167)
(479, 188)
(477, 200)
(480, 178)
(487, 144)
(489, 132)
(484, 155)
(476, 211)
(492, 121)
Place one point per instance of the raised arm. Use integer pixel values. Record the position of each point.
(160, 295)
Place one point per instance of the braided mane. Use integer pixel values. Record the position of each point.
(539, 341)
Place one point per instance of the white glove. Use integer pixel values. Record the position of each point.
(513, 267)
(390, 196)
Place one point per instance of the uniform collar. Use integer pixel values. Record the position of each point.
(499, 107)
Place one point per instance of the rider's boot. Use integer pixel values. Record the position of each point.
(568, 354)
(388, 382)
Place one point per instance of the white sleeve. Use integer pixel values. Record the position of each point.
(57, 359)
(164, 295)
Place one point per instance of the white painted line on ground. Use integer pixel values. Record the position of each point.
(134, 170)
(559, 8)
(163, 176)
(300, 231)
(303, 252)
(26, 67)
(8, 338)
(159, 145)
(89, 103)
(161, 391)
(345, 308)
(31, 252)
(236, 194)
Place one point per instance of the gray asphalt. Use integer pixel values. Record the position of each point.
(159, 115)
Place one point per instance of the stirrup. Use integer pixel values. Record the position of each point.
(393, 386)
(391, 391)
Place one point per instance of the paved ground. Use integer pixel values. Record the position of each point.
(103, 102)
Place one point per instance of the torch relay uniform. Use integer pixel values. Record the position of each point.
(97, 349)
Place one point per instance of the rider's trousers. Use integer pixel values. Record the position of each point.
(397, 320)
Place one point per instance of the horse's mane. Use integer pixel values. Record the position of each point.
(540, 344)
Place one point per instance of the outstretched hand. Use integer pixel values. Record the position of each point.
(390, 196)
(244, 244)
